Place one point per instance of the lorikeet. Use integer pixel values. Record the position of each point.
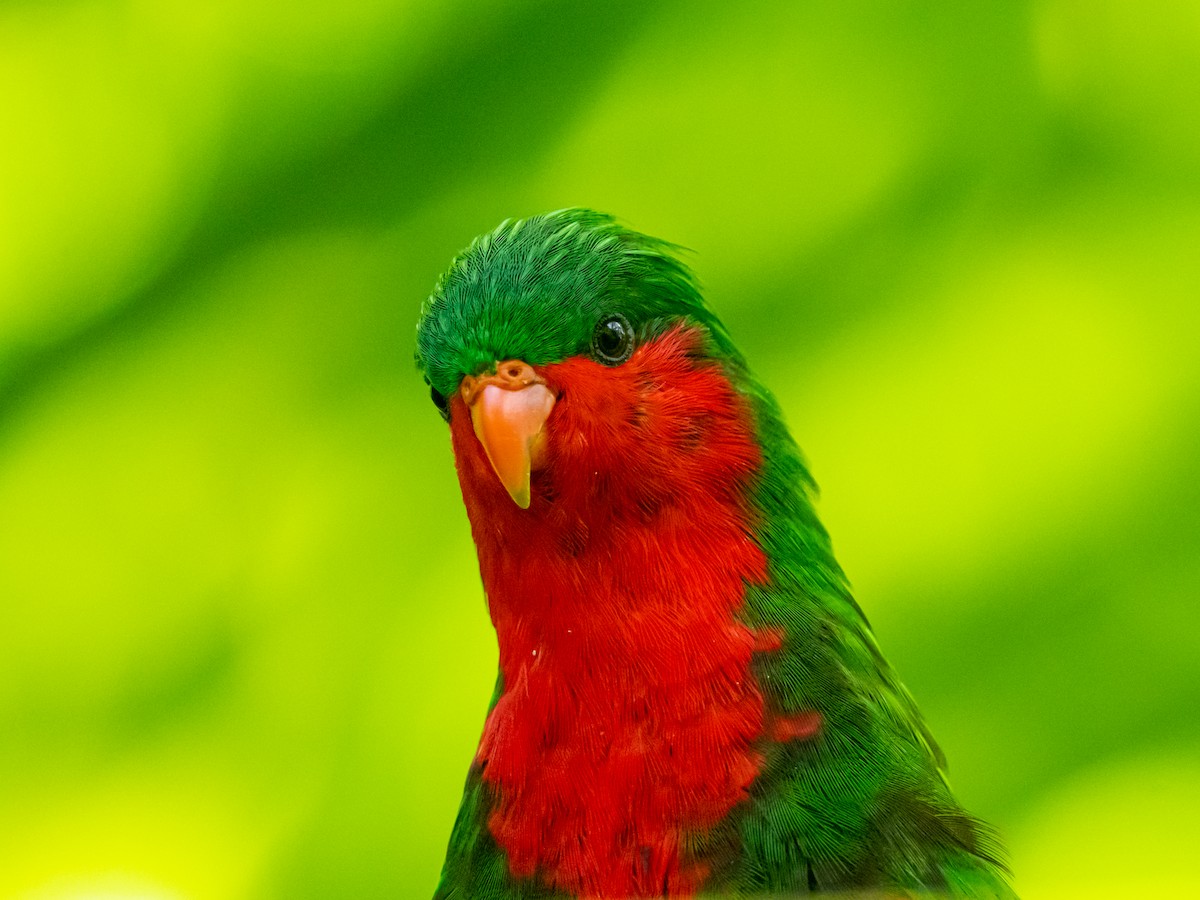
(690, 701)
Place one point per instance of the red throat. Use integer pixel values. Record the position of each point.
(629, 720)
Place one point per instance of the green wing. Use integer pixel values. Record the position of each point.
(865, 803)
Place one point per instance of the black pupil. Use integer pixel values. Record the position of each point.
(611, 338)
(440, 402)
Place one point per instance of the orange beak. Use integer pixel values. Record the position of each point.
(509, 411)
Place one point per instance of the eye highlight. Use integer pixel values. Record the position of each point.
(612, 340)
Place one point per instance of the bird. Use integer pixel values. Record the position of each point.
(690, 702)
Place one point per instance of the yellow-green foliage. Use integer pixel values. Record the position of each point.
(243, 651)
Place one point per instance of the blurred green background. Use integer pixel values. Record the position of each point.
(243, 649)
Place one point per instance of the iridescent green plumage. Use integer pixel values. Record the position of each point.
(866, 806)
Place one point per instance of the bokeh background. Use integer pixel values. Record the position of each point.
(243, 649)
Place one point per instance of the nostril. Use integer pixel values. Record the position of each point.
(467, 389)
(511, 375)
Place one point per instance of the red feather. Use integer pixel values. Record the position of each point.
(629, 721)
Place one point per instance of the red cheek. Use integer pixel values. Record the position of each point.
(616, 598)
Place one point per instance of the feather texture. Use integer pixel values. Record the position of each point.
(690, 699)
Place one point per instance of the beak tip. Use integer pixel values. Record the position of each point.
(508, 424)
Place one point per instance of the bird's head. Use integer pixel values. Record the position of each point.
(567, 352)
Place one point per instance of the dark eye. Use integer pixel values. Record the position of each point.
(612, 341)
(440, 402)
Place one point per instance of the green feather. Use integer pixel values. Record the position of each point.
(863, 805)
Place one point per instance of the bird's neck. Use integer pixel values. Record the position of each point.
(627, 719)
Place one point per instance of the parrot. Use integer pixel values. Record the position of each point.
(690, 701)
